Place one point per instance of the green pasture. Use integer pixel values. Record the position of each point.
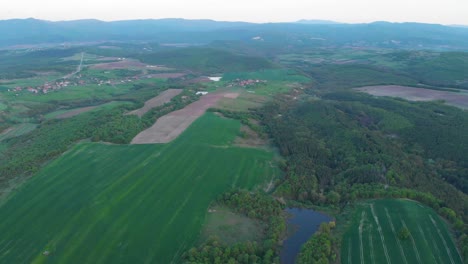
(279, 75)
(17, 130)
(101, 203)
(373, 235)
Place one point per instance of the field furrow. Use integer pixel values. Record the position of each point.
(396, 236)
(412, 242)
(361, 246)
(442, 239)
(382, 238)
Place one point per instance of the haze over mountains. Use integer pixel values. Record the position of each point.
(303, 32)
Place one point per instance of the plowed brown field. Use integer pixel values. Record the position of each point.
(170, 126)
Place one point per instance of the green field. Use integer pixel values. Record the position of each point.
(101, 203)
(17, 130)
(109, 105)
(372, 236)
(279, 75)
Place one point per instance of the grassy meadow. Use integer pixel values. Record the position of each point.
(373, 235)
(101, 203)
(17, 130)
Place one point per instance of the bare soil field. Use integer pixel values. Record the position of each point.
(123, 64)
(75, 112)
(418, 94)
(165, 75)
(250, 139)
(169, 126)
(159, 100)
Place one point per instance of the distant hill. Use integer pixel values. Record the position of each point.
(316, 21)
(304, 32)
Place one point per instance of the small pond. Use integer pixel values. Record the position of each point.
(302, 224)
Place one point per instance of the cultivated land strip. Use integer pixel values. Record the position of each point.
(170, 126)
(371, 243)
(361, 247)
(379, 228)
(443, 240)
(161, 99)
(418, 257)
(349, 252)
(459, 99)
(428, 245)
(395, 235)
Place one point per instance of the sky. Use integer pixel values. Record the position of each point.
(260, 11)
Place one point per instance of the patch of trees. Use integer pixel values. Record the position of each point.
(207, 60)
(319, 248)
(256, 206)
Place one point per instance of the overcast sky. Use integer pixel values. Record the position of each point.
(430, 11)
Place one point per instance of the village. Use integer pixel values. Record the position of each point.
(245, 83)
(48, 87)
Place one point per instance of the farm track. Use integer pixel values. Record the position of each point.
(371, 245)
(415, 248)
(428, 245)
(382, 239)
(442, 239)
(361, 246)
(402, 253)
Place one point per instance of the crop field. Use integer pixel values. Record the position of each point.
(170, 126)
(459, 99)
(102, 203)
(161, 99)
(280, 75)
(374, 235)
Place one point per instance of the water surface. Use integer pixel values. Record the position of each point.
(302, 224)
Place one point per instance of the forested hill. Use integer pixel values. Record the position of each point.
(378, 34)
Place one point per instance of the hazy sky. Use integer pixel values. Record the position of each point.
(431, 11)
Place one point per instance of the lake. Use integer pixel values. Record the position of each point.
(302, 224)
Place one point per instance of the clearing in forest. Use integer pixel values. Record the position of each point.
(458, 99)
(169, 126)
(123, 64)
(373, 236)
(101, 203)
(67, 113)
(161, 99)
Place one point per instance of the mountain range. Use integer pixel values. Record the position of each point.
(304, 32)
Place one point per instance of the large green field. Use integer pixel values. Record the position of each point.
(373, 235)
(101, 203)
